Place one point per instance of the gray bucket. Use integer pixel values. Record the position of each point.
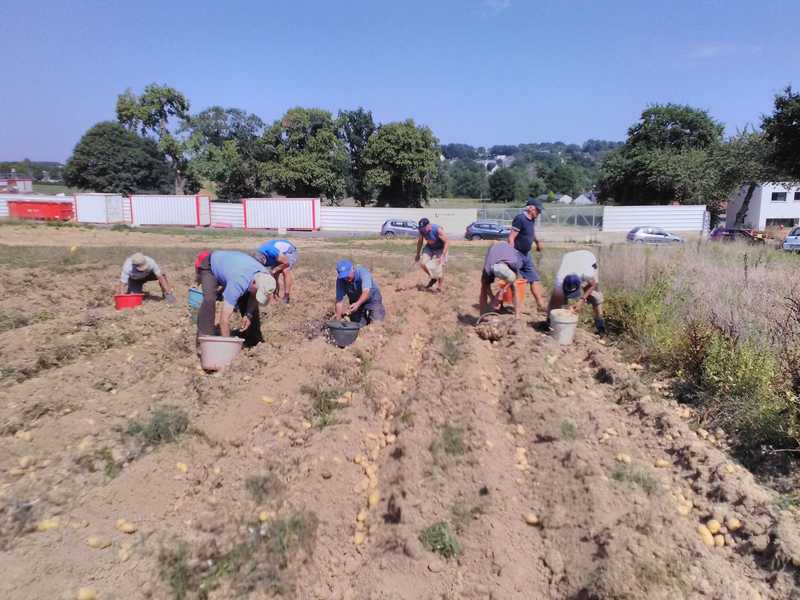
(343, 333)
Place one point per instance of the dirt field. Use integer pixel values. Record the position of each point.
(422, 462)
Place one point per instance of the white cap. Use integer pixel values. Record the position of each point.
(138, 260)
(265, 285)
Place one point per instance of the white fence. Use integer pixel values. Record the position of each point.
(281, 213)
(99, 208)
(5, 198)
(227, 214)
(672, 218)
(170, 210)
(453, 220)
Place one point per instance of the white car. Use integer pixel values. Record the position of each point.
(792, 241)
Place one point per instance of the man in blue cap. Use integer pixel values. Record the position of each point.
(433, 257)
(523, 237)
(577, 279)
(365, 302)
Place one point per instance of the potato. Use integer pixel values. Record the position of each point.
(125, 526)
(25, 436)
(361, 516)
(47, 524)
(719, 541)
(86, 593)
(25, 461)
(359, 538)
(531, 519)
(713, 526)
(182, 467)
(374, 498)
(684, 509)
(662, 464)
(263, 516)
(391, 438)
(705, 535)
(623, 458)
(97, 542)
(733, 524)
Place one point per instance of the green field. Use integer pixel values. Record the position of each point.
(51, 188)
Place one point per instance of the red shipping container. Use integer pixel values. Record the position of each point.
(41, 211)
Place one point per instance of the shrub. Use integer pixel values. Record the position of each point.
(166, 424)
(439, 538)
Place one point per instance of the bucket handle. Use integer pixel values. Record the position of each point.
(483, 316)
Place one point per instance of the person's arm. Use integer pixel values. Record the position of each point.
(587, 291)
(339, 299)
(485, 292)
(419, 248)
(512, 236)
(358, 303)
(252, 307)
(124, 277)
(162, 281)
(446, 240)
(283, 264)
(537, 241)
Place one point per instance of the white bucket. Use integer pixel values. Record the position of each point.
(217, 352)
(563, 322)
(435, 268)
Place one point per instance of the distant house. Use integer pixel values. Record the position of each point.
(585, 199)
(11, 183)
(769, 205)
(565, 199)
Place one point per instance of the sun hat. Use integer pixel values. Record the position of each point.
(571, 286)
(423, 222)
(343, 268)
(139, 260)
(265, 285)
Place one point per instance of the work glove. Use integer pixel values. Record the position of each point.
(169, 297)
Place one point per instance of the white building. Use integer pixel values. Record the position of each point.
(771, 205)
(565, 199)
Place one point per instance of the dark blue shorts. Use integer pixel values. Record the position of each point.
(528, 270)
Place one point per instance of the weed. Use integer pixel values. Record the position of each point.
(16, 518)
(636, 476)
(452, 349)
(324, 403)
(464, 512)
(450, 440)
(438, 538)
(569, 431)
(262, 487)
(103, 457)
(405, 416)
(787, 501)
(166, 424)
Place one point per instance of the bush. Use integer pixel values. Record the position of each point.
(439, 538)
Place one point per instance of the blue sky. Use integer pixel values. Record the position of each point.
(476, 71)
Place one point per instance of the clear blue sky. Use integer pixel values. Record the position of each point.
(477, 71)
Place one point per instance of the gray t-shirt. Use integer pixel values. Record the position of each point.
(136, 273)
(502, 252)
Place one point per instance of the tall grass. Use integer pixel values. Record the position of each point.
(725, 321)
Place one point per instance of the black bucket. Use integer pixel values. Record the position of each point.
(344, 333)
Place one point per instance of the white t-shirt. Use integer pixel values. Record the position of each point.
(130, 272)
(581, 262)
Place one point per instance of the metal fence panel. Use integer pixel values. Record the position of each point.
(98, 208)
(370, 220)
(282, 213)
(227, 214)
(673, 218)
(170, 210)
(567, 216)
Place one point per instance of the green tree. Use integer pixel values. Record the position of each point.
(503, 186)
(457, 151)
(782, 130)
(468, 179)
(110, 158)
(564, 179)
(308, 159)
(401, 161)
(675, 127)
(355, 127)
(151, 113)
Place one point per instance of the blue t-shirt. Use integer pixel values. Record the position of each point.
(273, 249)
(234, 270)
(526, 236)
(432, 238)
(353, 289)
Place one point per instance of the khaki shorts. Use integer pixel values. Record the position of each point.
(432, 261)
(504, 272)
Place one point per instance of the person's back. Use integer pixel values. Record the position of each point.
(579, 262)
(502, 252)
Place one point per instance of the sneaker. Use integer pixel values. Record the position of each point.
(431, 283)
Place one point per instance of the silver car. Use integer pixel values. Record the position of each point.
(792, 241)
(399, 227)
(652, 235)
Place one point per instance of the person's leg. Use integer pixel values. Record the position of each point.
(531, 275)
(437, 256)
(374, 309)
(252, 335)
(288, 283)
(596, 300)
(486, 294)
(208, 308)
(557, 300)
(135, 286)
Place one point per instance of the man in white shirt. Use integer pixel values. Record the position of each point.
(577, 279)
(138, 269)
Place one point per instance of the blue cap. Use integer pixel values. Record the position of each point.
(571, 285)
(534, 202)
(423, 222)
(343, 268)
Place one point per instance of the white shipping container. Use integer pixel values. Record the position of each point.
(282, 213)
(99, 208)
(227, 214)
(671, 218)
(170, 210)
(370, 220)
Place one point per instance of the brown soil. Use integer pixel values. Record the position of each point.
(312, 471)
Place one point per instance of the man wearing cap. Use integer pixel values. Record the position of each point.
(577, 279)
(138, 269)
(502, 261)
(245, 284)
(523, 237)
(356, 283)
(435, 251)
(281, 257)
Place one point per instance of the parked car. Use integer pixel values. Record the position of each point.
(394, 227)
(480, 230)
(652, 235)
(725, 234)
(792, 241)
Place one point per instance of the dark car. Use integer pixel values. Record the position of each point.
(725, 234)
(402, 227)
(480, 230)
(652, 235)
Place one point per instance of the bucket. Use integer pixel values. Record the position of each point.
(344, 333)
(125, 301)
(217, 352)
(195, 298)
(435, 268)
(563, 322)
(507, 297)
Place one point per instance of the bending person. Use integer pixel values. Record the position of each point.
(281, 257)
(503, 261)
(355, 283)
(139, 269)
(577, 279)
(245, 285)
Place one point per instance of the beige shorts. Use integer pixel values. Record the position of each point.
(433, 263)
(504, 272)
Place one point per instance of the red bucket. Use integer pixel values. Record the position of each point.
(507, 297)
(124, 301)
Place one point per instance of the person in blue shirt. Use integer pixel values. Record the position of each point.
(281, 257)
(355, 283)
(523, 237)
(433, 257)
(245, 284)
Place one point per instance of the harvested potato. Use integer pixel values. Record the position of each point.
(97, 542)
(713, 526)
(361, 516)
(86, 593)
(705, 535)
(662, 463)
(532, 518)
(733, 524)
(125, 526)
(719, 541)
(47, 524)
(182, 467)
(25, 436)
(359, 538)
(374, 498)
(623, 458)
(263, 516)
